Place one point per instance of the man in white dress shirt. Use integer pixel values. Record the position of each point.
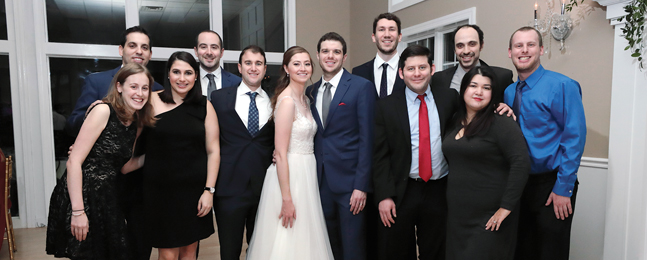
(209, 49)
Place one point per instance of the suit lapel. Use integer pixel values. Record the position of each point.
(371, 70)
(401, 111)
(231, 107)
(441, 107)
(344, 84)
(314, 90)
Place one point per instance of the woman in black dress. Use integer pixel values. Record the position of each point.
(488, 165)
(85, 221)
(182, 155)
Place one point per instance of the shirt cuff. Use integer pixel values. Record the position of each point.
(563, 189)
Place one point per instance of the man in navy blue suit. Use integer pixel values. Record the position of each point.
(134, 47)
(383, 69)
(208, 48)
(244, 156)
(343, 108)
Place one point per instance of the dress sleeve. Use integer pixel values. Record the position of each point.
(513, 146)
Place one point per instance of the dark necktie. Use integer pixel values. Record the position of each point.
(424, 145)
(516, 106)
(383, 89)
(212, 85)
(325, 103)
(252, 116)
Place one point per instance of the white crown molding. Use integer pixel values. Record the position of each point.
(611, 2)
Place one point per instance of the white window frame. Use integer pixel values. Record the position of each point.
(437, 28)
(31, 90)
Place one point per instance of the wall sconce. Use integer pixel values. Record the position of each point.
(559, 24)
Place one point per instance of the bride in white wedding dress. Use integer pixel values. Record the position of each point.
(289, 221)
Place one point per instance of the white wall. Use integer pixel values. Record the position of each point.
(587, 233)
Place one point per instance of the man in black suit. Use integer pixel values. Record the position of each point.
(409, 169)
(246, 145)
(386, 35)
(468, 43)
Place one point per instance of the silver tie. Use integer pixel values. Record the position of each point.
(325, 103)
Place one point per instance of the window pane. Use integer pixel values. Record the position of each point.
(6, 127)
(174, 23)
(85, 21)
(432, 47)
(3, 21)
(271, 74)
(257, 22)
(448, 40)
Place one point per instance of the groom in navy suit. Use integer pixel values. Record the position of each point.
(343, 106)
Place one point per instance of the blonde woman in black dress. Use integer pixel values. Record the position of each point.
(488, 165)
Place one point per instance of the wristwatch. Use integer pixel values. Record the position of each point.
(210, 189)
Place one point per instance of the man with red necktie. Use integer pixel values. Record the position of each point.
(409, 168)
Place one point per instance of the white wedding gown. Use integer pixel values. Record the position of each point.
(307, 239)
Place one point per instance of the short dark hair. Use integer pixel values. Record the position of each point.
(209, 31)
(332, 36)
(415, 50)
(195, 94)
(135, 29)
(388, 16)
(525, 29)
(473, 26)
(252, 49)
(484, 117)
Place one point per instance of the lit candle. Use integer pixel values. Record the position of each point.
(535, 10)
(563, 6)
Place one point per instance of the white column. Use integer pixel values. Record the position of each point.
(626, 214)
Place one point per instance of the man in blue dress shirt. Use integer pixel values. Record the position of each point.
(549, 110)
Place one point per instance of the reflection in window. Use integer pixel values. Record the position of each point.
(429, 43)
(257, 22)
(85, 21)
(6, 127)
(3, 21)
(269, 81)
(174, 23)
(450, 53)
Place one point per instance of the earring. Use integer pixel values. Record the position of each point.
(288, 74)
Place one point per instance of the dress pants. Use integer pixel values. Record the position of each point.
(347, 232)
(542, 236)
(233, 215)
(422, 214)
(131, 201)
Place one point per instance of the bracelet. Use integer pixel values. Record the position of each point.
(77, 210)
(77, 214)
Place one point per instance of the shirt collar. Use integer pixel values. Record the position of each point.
(478, 63)
(335, 80)
(412, 96)
(393, 62)
(243, 89)
(216, 72)
(532, 80)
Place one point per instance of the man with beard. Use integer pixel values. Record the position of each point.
(551, 116)
(468, 44)
(208, 48)
(383, 69)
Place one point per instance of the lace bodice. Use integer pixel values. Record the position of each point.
(304, 129)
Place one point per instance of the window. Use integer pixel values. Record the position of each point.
(437, 35)
(85, 21)
(73, 38)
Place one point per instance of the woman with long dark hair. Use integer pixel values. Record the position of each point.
(289, 221)
(182, 155)
(488, 165)
(85, 220)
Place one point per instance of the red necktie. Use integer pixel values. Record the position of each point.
(424, 145)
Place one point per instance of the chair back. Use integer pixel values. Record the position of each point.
(7, 181)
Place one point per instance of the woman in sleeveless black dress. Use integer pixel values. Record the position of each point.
(85, 221)
(181, 163)
(489, 165)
